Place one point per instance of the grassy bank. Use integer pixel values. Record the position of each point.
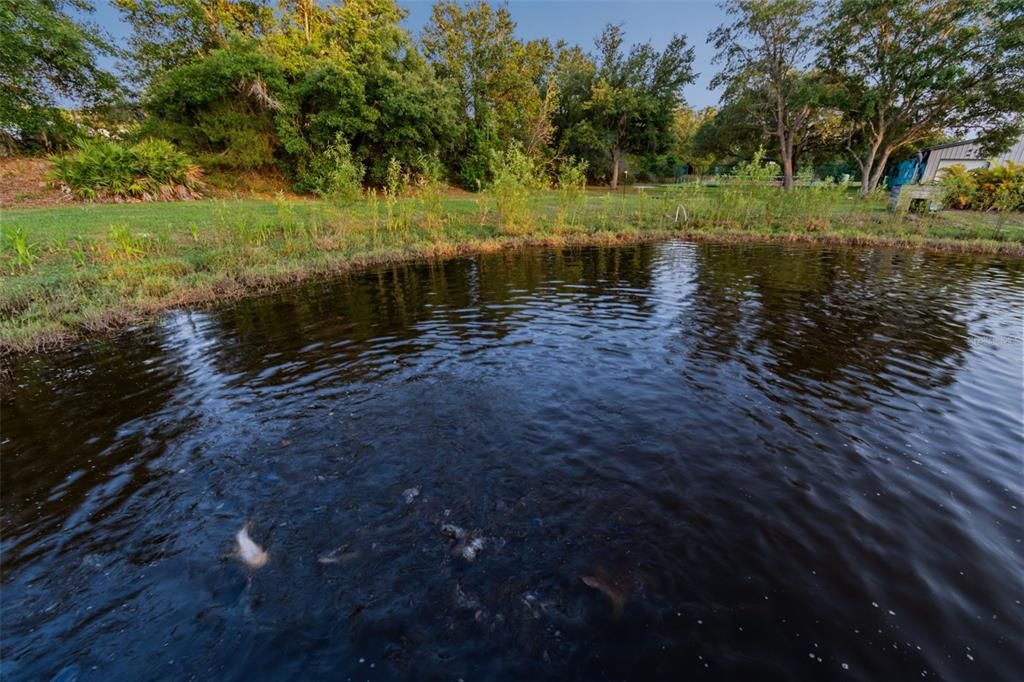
(78, 270)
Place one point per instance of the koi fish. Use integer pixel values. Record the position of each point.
(617, 598)
(251, 554)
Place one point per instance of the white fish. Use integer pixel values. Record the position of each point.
(470, 549)
(249, 552)
(341, 555)
(466, 545)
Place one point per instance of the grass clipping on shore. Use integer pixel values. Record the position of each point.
(86, 270)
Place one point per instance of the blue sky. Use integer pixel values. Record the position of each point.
(575, 21)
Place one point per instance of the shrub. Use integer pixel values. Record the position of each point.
(653, 167)
(997, 188)
(1000, 187)
(477, 164)
(395, 181)
(150, 170)
(230, 107)
(757, 170)
(242, 139)
(515, 179)
(572, 178)
(957, 187)
(334, 173)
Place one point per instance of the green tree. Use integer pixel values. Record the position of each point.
(740, 128)
(765, 51)
(505, 87)
(906, 70)
(731, 134)
(47, 59)
(231, 107)
(358, 74)
(169, 33)
(286, 96)
(686, 122)
(574, 75)
(634, 95)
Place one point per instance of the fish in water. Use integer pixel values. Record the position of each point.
(467, 546)
(615, 595)
(341, 555)
(251, 554)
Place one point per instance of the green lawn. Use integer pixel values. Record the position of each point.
(82, 269)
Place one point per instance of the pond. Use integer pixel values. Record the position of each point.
(657, 461)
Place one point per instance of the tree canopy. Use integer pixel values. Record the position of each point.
(765, 52)
(624, 101)
(319, 90)
(48, 60)
(903, 70)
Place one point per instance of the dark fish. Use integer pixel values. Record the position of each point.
(615, 596)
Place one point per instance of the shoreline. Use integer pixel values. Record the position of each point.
(236, 284)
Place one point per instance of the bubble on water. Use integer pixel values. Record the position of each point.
(846, 666)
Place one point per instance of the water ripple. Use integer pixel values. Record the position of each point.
(775, 463)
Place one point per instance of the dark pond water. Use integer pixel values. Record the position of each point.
(672, 461)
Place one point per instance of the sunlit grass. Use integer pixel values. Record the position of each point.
(83, 269)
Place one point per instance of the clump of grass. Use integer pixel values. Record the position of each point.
(429, 192)
(374, 203)
(392, 189)
(572, 190)
(76, 249)
(25, 252)
(125, 244)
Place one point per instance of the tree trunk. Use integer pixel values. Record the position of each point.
(876, 177)
(785, 141)
(871, 171)
(616, 162)
(865, 178)
(868, 170)
(787, 171)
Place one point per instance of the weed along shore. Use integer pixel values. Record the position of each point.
(87, 269)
